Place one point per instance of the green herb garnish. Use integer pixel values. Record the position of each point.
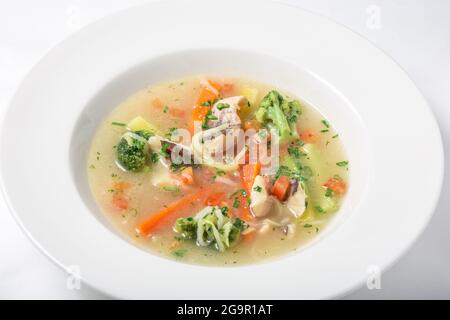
(119, 124)
(342, 163)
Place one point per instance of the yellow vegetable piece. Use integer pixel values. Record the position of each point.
(140, 123)
(251, 94)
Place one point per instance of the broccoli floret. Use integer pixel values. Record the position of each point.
(187, 227)
(132, 152)
(275, 112)
(235, 233)
(221, 233)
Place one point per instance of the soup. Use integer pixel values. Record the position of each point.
(217, 171)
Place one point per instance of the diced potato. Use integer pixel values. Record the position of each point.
(251, 94)
(140, 123)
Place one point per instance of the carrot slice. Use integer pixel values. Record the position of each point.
(206, 96)
(157, 103)
(155, 218)
(281, 187)
(187, 176)
(244, 211)
(227, 88)
(215, 85)
(119, 201)
(338, 186)
(215, 199)
(248, 175)
(177, 113)
(309, 136)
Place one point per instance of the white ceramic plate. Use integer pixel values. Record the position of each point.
(391, 138)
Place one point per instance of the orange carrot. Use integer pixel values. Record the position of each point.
(227, 88)
(281, 187)
(251, 124)
(248, 175)
(157, 103)
(187, 176)
(120, 186)
(199, 113)
(206, 95)
(155, 218)
(215, 85)
(309, 136)
(215, 199)
(119, 201)
(205, 101)
(177, 113)
(249, 236)
(244, 210)
(338, 186)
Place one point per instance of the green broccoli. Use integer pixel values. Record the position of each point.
(187, 227)
(132, 150)
(275, 112)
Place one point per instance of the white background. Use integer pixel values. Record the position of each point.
(415, 33)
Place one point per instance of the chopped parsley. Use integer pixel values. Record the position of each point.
(329, 193)
(307, 225)
(177, 167)
(209, 116)
(342, 163)
(325, 123)
(165, 149)
(166, 109)
(154, 157)
(171, 188)
(119, 124)
(257, 188)
(236, 203)
(221, 106)
(319, 209)
(179, 253)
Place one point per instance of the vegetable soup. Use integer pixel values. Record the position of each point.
(217, 171)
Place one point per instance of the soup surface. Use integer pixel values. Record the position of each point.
(162, 169)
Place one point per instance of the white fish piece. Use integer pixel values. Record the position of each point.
(261, 202)
(297, 202)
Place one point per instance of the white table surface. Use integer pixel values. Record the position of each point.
(415, 33)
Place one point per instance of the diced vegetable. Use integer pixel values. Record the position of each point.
(187, 175)
(275, 112)
(177, 113)
(120, 201)
(140, 124)
(338, 186)
(215, 199)
(248, 175)
(309, 136)
(251, 94)
(280, 188)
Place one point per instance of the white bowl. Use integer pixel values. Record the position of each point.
(390, 135)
